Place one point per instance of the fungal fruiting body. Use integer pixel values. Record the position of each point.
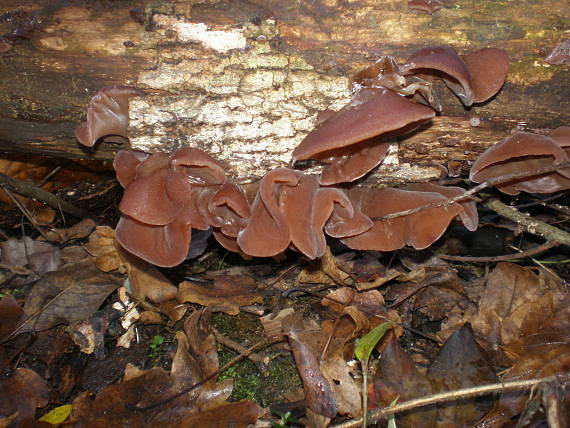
(166, 196)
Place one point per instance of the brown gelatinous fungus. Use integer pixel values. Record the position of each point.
(560, 54)
(473, 78)
(445, 63)
(165, 246)
(419, 229)
(520, 152)
(488, 68)
(107, 114)
(267, 233)
(429, 6)
(162, 201)
(384, 73)
(372, 112)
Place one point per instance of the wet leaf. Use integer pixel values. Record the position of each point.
(39, 256)
(70, 294)
(10, 315)
(397, 376)
(21, 394)
(461, 363)
(306, 351)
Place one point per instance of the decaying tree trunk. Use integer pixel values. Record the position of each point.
(245, 80)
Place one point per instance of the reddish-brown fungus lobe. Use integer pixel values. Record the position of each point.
(474, 77)
(443, 62)
(488, 69)
(429, 6)
(419, 230)
(107, 114)
(267, 233)
(524, 151)
(371, 113)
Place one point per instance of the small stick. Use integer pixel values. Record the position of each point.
(240, 349)
(477, 391)
(31, 191)
(468, 194)
(532, 225)
(523, 254)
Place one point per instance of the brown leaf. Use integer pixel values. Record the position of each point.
(103, 247)
(70, 294)
(77, 231)
(195, 359)
(513, 296)
(306, 351)
(20, 394)
(397, 376)
(40, 256)
(461, 363)
(226, 294)
(10, 315)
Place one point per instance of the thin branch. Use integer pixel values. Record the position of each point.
(531, 225)
(469, 193)
(460, 394)
(31, 191)
(259, 345)
(263, 362)
(521, 255)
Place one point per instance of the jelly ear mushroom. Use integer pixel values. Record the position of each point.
(475, 77)
(445, 63)
(419, 230)
(488, 68)
(267, 233)
(524, 151)
(107, 114)
(164, 246)
(371, 113)
(125, 165)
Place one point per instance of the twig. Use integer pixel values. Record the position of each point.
(235, 346)
(532, 225)
(26, 213)
(469, 193)
(523, 254)
(477, 391)
(262, 344)
(31, 191)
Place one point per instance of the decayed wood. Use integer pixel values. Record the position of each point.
(245, 80)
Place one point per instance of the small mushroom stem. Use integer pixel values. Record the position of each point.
(532, 225)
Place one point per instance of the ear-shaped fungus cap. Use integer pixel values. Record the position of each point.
(125, 165)
(372, 112)
(521, 152)
(474, 77)
(384, 73)
(267, 233)
(418, 230)
(488, 68)
(165, 246)
(446, 60)
(429, 6)
(107, 114)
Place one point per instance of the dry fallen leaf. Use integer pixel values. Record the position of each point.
(70, 294)
(204, 405)
(21, 394)
(397, 376)
(226, 294)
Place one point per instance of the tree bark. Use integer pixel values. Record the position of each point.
(244, 80)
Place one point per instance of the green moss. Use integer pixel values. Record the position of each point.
(245, 375)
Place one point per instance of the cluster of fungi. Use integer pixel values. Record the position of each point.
(168, 195)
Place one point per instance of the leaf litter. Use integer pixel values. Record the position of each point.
(448, 327)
